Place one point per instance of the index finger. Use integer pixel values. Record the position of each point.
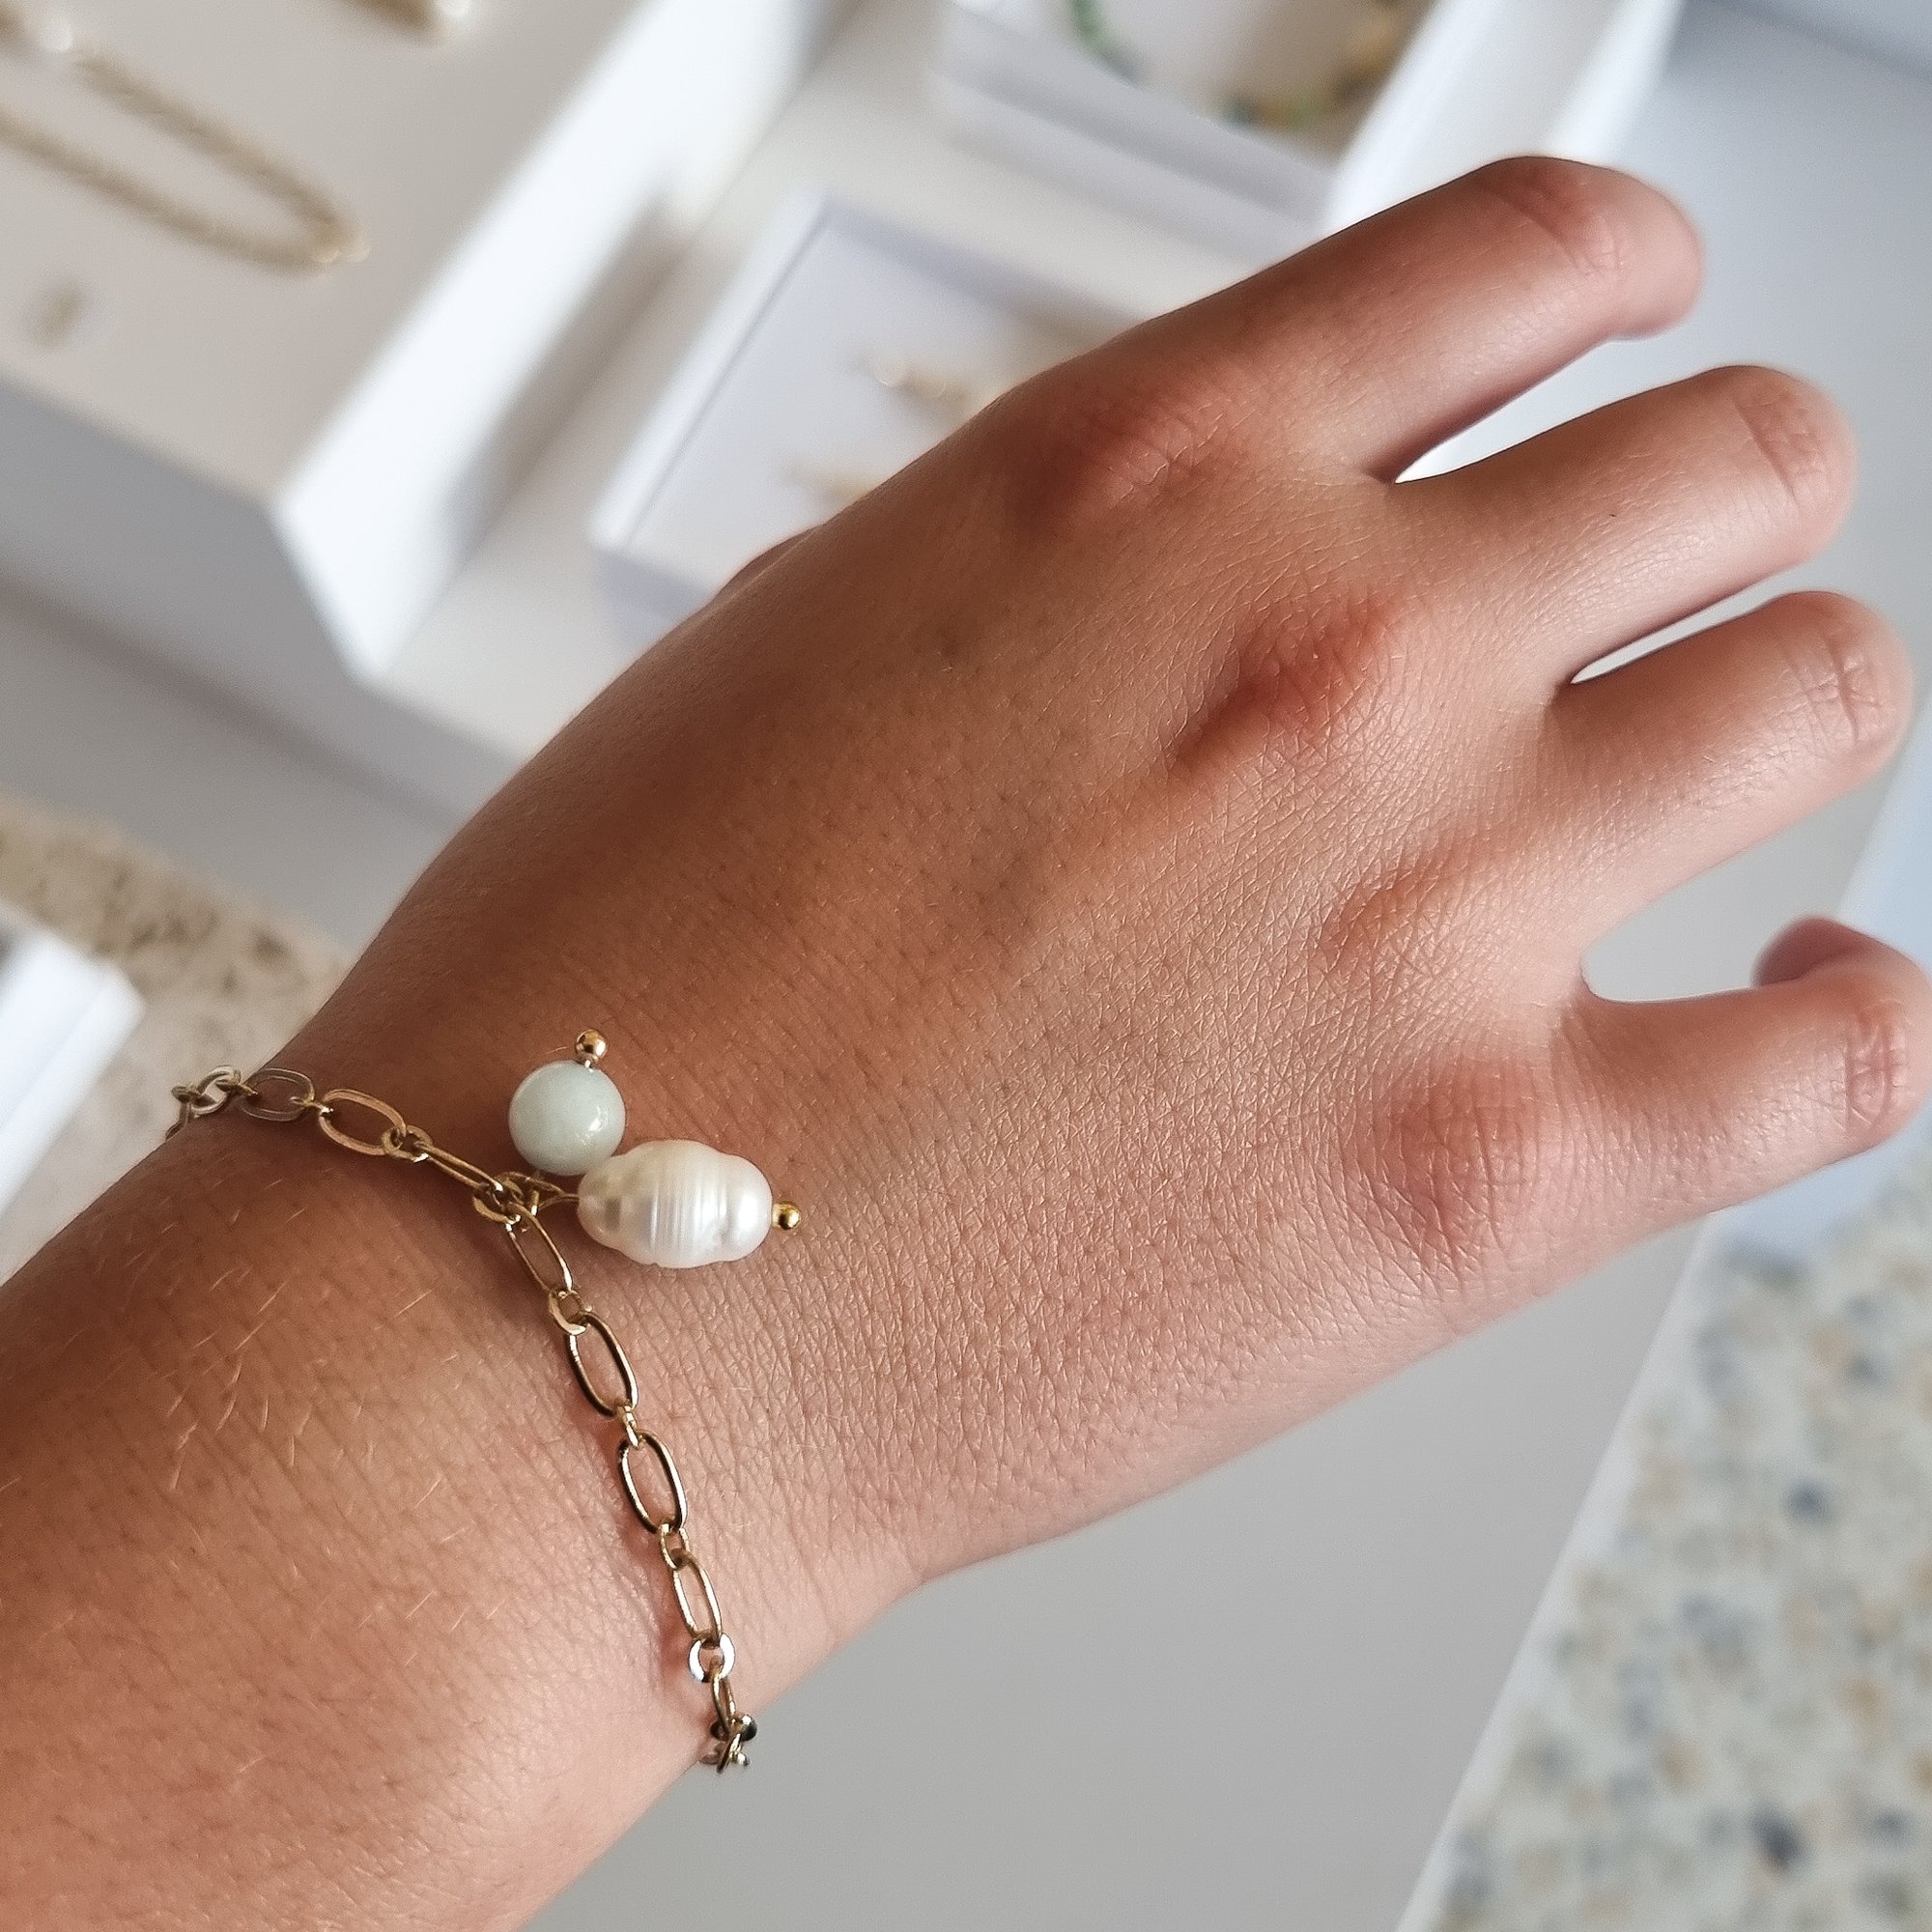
(1372, 346)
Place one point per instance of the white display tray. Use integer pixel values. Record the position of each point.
(1476, 79)
(778, 415)
(63, 1017)
(271, 477)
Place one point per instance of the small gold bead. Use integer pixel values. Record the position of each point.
(591, 1046)
(785, 1215)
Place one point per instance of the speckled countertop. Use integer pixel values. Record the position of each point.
(1733, 1725)
(221, 980)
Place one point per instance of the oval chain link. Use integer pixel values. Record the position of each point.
(514, 1203)
(542, 1259)
(626, 1449)
(626, 1402)
(710, 1628)
(259, 1103)
(207, 1095)
(385, 1144)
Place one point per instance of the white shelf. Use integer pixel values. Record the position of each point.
(63, 1017)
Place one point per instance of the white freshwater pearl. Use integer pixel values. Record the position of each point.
(565, 1118)
(676, 1203)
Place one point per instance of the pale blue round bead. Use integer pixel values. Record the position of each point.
(566, 1117)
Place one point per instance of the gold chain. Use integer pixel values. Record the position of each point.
(327, 234)
(426, 17)
(646, 1472)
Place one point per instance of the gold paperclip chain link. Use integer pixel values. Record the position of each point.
(647, 1473)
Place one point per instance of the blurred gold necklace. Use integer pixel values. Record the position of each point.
(426, 17)
(321, 234)
(1369, 57)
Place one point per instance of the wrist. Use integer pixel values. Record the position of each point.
(378, 1555)
(744, 1368)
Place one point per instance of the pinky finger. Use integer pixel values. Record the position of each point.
(1711, 1101)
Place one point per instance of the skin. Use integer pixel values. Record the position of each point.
(1127, 877)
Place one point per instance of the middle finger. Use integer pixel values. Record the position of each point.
(1604, 529)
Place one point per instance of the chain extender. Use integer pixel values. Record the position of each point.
(646, 1471)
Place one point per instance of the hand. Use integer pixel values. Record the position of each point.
(1128, 878)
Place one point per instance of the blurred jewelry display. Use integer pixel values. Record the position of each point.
(838, 487)
(953, 399)
(426, 17)
(322, 234)
(1091, 29)
(58, 314)
(1368, 59)
(952, 396)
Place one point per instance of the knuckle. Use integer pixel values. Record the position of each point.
(1849, 674)
(1325, 684)
(1413, 919)
(1795, 433)
(1096, 436)
(758, 564)
(1581, 209)
(1881, 1067)
(1461, 1165)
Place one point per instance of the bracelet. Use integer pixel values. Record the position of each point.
(676, 1203)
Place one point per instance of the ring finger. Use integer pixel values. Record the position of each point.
(1670, 765)
(1609, 527)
